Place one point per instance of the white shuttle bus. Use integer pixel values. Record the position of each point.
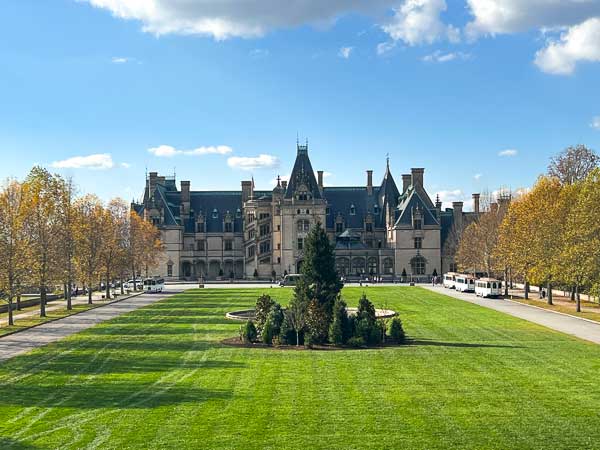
(464, 283)
(488, 287)
(450, 280)
(153, 285)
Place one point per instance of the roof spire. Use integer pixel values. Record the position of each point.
(387, 161)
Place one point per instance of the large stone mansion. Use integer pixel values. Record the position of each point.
(377, 230)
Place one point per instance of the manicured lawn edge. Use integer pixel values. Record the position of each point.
(93, 306)
(554, 311)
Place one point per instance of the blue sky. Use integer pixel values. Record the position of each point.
(445, 85)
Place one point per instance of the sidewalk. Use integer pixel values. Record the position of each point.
(24, 341)
(573, 326)
(60, 304)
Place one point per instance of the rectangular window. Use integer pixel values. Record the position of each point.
(300, 243)
(418, 224)
(339, 227)
(369, 227)
(228, 227)
(265, 247)
(200, 246)
(200, 227)
(418, 242)
(170, 270)
(265, 230)
(369, 243)
(251, 251)
(228, 245)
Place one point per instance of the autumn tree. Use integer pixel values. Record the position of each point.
(66, 234)
(41, 226)
(573, 164)
(89, 236)
(113, 219)
(14, 243)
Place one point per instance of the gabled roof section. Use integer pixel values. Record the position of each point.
(413, 201)
(303, 174)
(388, 192)
(340, 200)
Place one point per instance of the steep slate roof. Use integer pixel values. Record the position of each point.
(303, 173)
(411, 201)
(341, 199)
(388, 191)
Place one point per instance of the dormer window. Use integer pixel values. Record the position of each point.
(418, 223)
(228, 227)
(352, 210)
(376, 209)
(238, 213)
(215, 214)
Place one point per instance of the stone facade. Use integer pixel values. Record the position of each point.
(377, 230)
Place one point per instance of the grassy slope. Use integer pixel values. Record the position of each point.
(158, 378)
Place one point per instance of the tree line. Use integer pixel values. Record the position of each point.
(50, 237)
(548, 236)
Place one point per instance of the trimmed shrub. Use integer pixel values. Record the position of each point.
(339, 330)
(395, 331)
(356, 342)
(263, 307)
(267, 332)
(248, 332)
(276, 318)
(366, 310)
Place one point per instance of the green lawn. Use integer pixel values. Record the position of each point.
(159, 378)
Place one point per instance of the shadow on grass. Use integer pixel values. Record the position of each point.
(16, 445)
(428, 342)
(106, 395)
(140, 345)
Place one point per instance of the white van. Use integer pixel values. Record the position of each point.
(488, 287)
(153, 285)
(450, 280)
(464, 283)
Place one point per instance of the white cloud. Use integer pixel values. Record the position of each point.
(508, 152)
(261, 161)
(579, 44)
(477, 176)
(595, 123)
(440, 57)
(125, 165)
(447, 197)
(385, 47)
(259, 53)
(100, 161)
(513, 16)
(345, 52)
(120, 60)
(234, 18)
(168, 151)
(418, 22)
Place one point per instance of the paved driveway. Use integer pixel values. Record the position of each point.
(581, 328)
(24, 341)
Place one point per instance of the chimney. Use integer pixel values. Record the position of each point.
(152, 176)
(417, 177)
(458, 215)
(476, 198)
(185, 191)
(284, 184)
(369, 182)
(494, 207)
(406, 180)
(320, 179)
(246, 190)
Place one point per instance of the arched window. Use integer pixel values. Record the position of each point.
(352, 210)
(418, 265)
(215, 213)
(358, 266)
(376, 208)
(372, 266)
(303, 225)
(342, 266)
(388, 266)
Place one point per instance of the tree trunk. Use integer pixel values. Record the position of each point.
(506, 282)
(19, 302)
(550, 293)
(89, 287)
(526, 290)
(121, 283)
(107, 285)
(573, 293)
(133, 276)
(43, 301)
(577, 298)
(10, 311)
(297, 338)
(69, 288)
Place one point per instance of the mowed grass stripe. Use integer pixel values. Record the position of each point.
(159, 377)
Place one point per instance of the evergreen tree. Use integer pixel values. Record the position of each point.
(320, 284)
(339, 330)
